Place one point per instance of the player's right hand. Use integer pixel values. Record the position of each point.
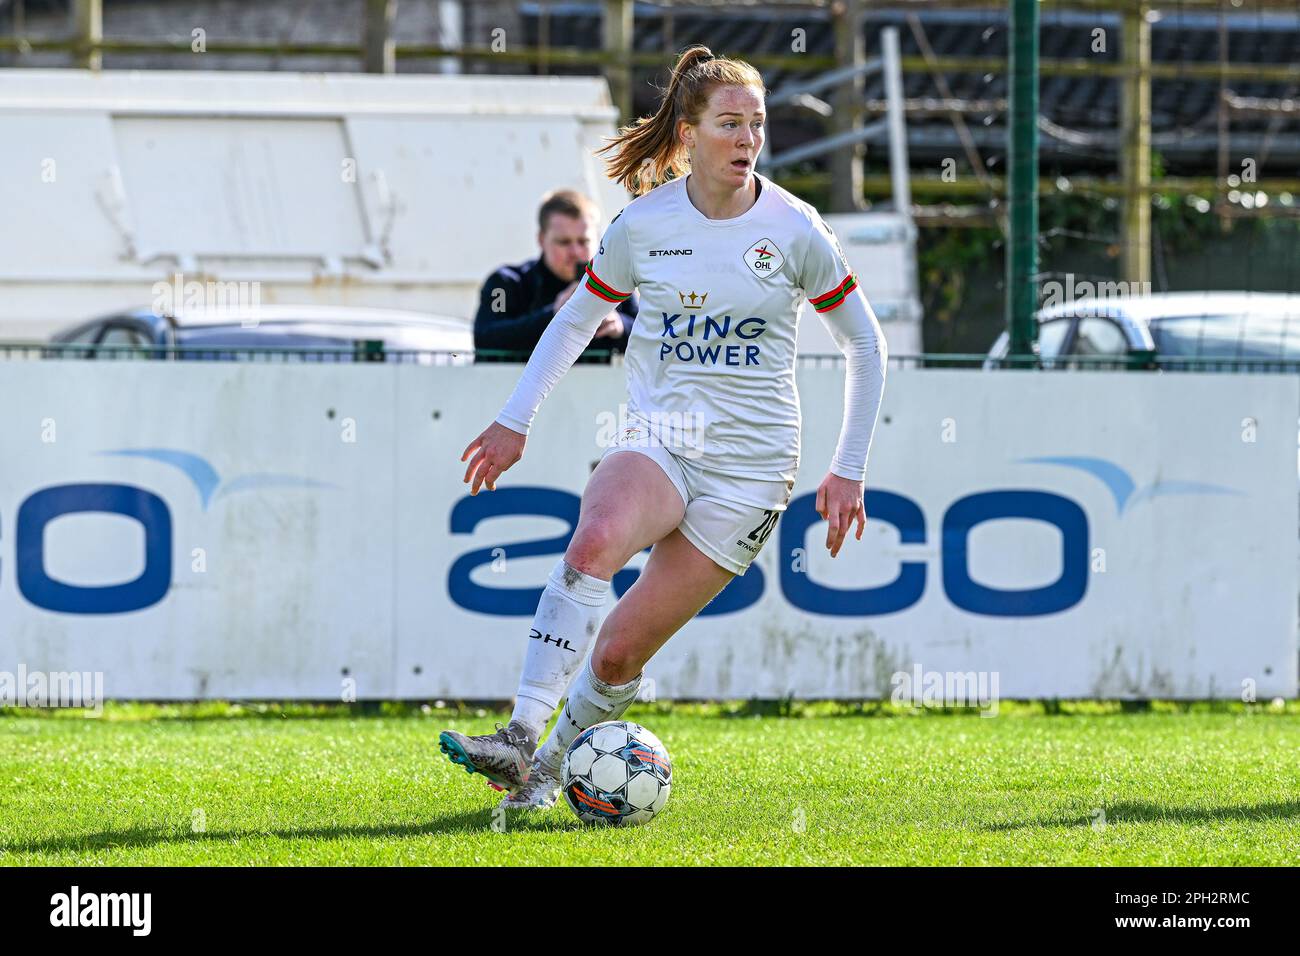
(611, 326)
(563, 295)
(494, 452)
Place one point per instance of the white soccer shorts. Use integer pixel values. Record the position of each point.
(728, 518)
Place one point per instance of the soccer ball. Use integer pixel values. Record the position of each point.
(617, 774)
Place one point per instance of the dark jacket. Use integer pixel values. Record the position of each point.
(523, 310)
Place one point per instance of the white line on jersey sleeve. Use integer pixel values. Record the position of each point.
(834, 294)
(855, 330)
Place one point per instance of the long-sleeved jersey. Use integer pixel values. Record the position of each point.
(710, 363)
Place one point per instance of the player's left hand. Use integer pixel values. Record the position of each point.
(839, 501)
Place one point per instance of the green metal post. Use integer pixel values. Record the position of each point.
(1022, 198)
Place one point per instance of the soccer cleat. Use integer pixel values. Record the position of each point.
(502, 757)
(539, 791)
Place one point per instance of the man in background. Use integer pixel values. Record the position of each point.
(518, 302)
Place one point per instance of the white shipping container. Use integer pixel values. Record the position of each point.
(391, 191)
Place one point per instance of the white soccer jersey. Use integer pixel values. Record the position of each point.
(710, 362)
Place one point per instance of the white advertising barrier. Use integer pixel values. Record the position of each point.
(199, 530)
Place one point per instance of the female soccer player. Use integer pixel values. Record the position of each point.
(722, 258)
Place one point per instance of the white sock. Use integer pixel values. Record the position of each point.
(590, 702)
(564, 628)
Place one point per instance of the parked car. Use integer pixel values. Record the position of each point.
(1163, 329)
(306, 332)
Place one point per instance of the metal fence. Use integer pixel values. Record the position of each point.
(371, 351)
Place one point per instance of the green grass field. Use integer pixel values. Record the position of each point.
(1085, 784)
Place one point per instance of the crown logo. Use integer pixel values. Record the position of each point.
(692, 300)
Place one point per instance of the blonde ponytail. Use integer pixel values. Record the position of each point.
(648, 152)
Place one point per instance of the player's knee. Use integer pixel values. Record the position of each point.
(594, 548)
(613, 662)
